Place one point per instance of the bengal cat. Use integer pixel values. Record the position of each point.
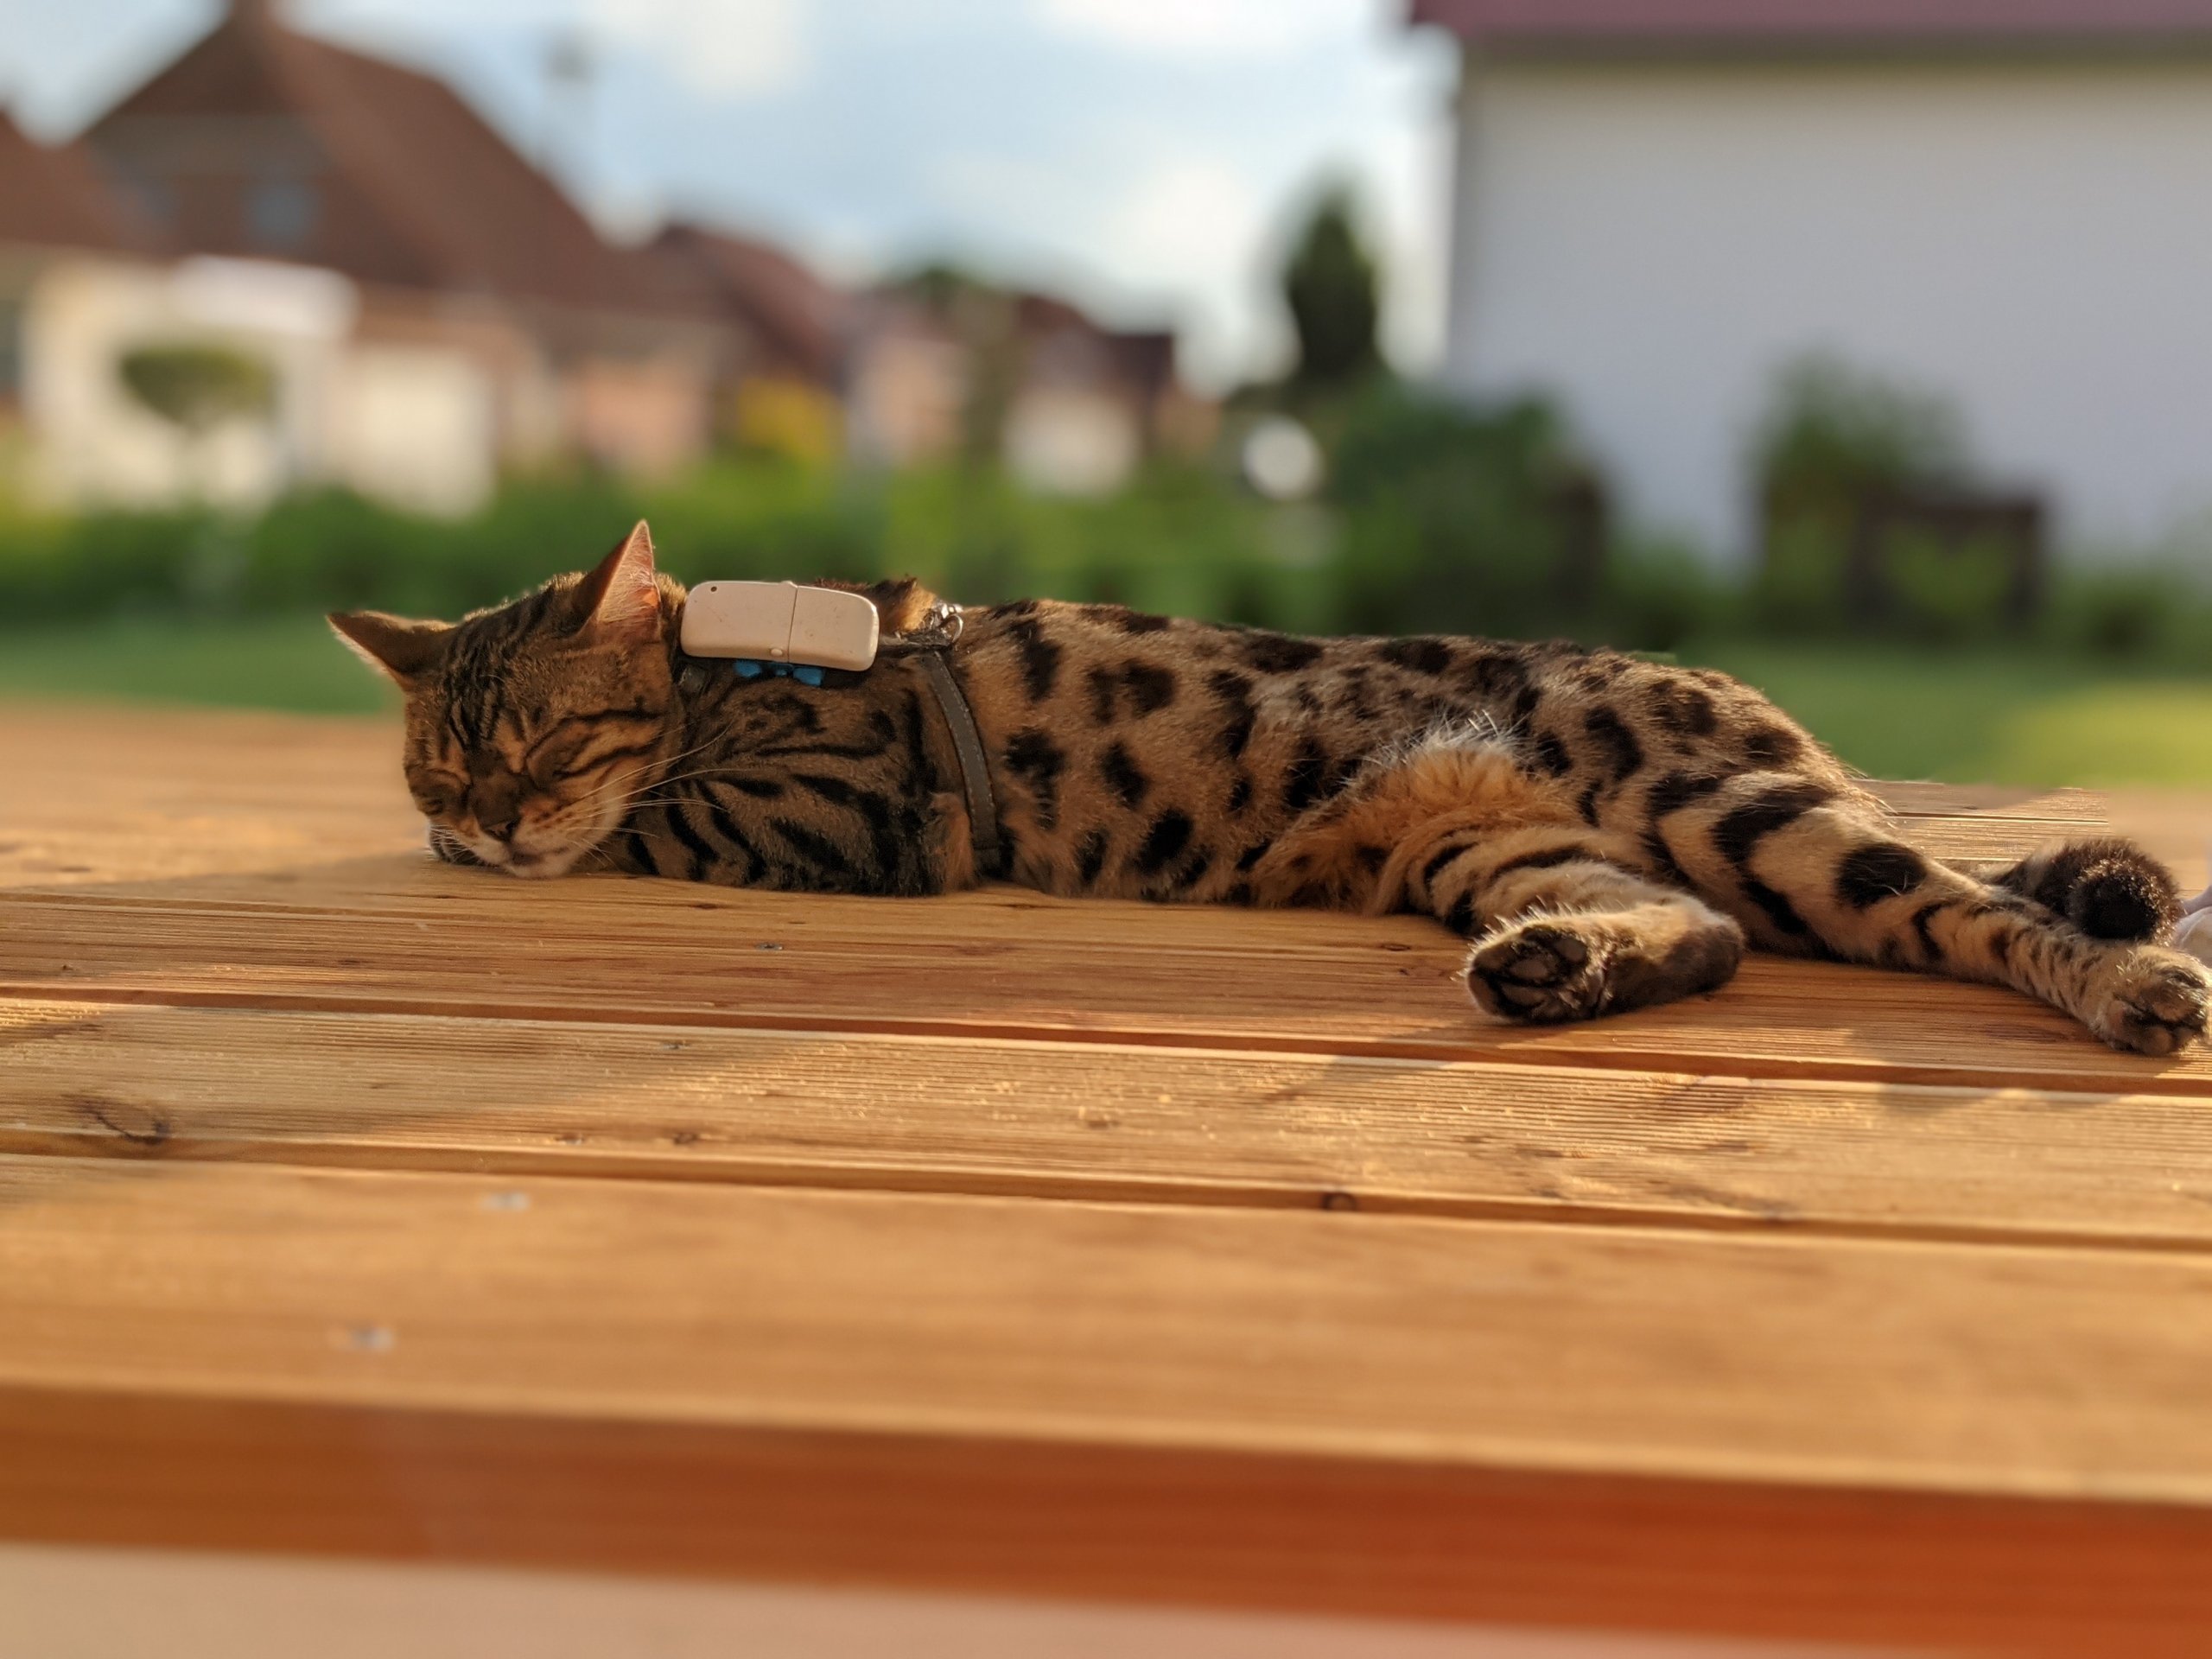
(1608, 832)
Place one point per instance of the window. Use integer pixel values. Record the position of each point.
(281, 212)
(12, 351)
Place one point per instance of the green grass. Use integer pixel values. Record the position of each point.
(1983, 716)
(292, 663)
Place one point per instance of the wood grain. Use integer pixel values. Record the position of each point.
(998, 965)
(2029, 1371)
(351, 1203)
(1927, 1572)
(1049, 1120)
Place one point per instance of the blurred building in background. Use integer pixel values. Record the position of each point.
(428, 310)
(944, 365)
(1660, 204)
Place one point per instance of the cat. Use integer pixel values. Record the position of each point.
(1608, 833)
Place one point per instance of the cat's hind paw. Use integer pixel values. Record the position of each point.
(1543, 972)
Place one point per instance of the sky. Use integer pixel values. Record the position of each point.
(1147, 158)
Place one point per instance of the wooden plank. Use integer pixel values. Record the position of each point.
(1052, 1121)
(2029, 1372)
(1002, 965)
(1004, 1518)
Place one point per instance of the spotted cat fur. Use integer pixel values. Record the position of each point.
(1607, 833)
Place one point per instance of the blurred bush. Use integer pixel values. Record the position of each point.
(1455, 520)
(1435, 519)
(1833, 438)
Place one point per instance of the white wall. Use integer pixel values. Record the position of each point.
(1650, 241)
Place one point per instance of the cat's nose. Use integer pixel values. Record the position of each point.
(500, 825)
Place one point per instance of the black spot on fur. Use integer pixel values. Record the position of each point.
(1610, 734)
(1352, 694)
(1779, 910)
(1103, 685)
(1091, 858)
(1151, 688)
(1460, 918)
(1129, 621)
(1279, 653)
(1240, 895)
(1307, 777)
(760, 788)
(1123, 776)
(1743, 828)
(1497, 674)
(1037, 760)
(1549, 858)
(1235, 694)
(1588, 806)
(1552, 755)
(1441, 860)
(1372, 859)
(1772, 747)
(1240, 795)
(1676, 790)
(1424, 655)
(1249, 858)
(1685, 710)
(1885, 870)
(1931, 952)
(1164, 842)
(1041, 658)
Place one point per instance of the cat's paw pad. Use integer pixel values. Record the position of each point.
(2153, 1001)
(1543, 972)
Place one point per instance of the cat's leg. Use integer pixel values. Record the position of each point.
(1811, 871)
(1565, 927)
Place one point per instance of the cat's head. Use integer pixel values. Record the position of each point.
(531, 727)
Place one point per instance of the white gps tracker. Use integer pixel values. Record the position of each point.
(780, 622)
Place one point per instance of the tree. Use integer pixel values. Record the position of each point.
(1331, 288)
(196, 388)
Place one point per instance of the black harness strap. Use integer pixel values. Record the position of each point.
(931, 645)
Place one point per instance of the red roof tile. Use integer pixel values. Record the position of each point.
(1816, 22)
(417, 189)
(54, 196)
(801, 320)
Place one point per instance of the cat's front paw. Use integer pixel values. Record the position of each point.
(1543, 972)
(2151, 1001)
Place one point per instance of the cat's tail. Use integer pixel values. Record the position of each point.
(2108, 887)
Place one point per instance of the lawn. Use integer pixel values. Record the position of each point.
(1983, 716)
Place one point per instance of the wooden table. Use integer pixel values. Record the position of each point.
(353, 1205)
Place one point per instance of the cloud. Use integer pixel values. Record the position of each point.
(726, 48)
(1215, 29)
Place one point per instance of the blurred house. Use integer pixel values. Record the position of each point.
(942, 365)
(784, 386)
(492, 324)
(59, 228)
(1660, 202)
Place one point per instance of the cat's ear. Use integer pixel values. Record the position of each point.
(619, 601)
(393, 645)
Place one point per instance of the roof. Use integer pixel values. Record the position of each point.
(433, 196)
(1816, 23)
(801, 319)
(54, 196)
